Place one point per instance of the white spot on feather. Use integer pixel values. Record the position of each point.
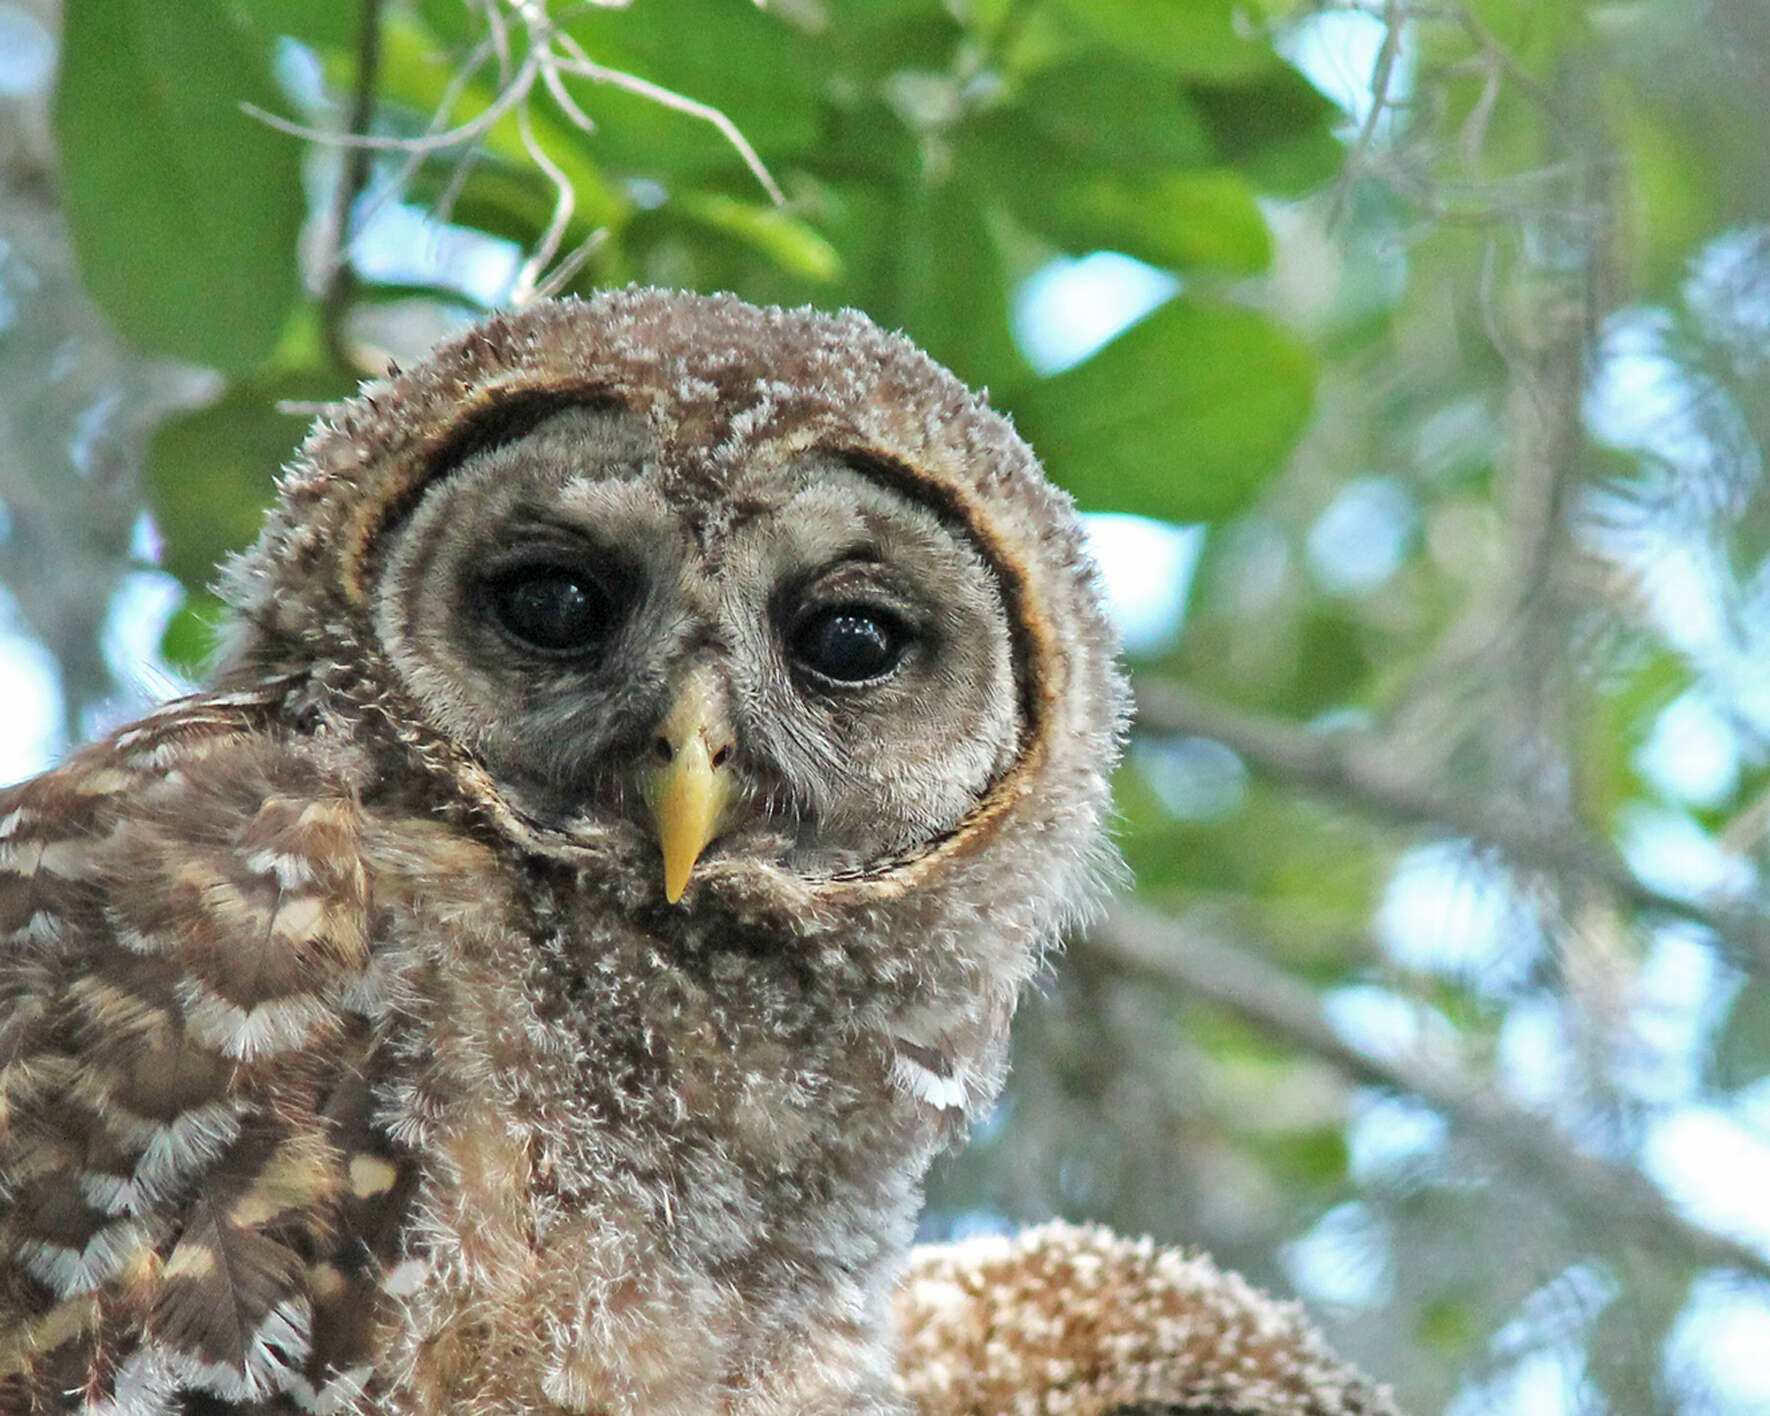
(300, 919)
(370, 1175)
(925, 1084)
(103, 782)
(143, 1387)
(277, 1026)
(66, 1270)
(274, 1357)
(291, 871)
(21, 859)
(71, 860)
(405, 1278)
(42, 928)
(340, 1394)
(178, 1149)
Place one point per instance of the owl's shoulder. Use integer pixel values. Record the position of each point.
(177, 839)
(194, 1186)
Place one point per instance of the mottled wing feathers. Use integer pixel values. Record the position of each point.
(190, 1178)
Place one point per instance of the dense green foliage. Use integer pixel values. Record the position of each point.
(1444, 993)
(928, 163)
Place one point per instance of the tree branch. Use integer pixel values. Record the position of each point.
(1368, 772)
(1161, 951)
(339, 283)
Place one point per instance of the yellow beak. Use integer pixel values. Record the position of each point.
(689, 785)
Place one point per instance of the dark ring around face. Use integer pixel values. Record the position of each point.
(506, 413)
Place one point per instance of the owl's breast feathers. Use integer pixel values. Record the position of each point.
(288, 1085)
(191, 1191)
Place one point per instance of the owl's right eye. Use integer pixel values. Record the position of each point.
(552, 609)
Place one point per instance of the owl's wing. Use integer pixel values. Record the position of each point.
(193, 1196)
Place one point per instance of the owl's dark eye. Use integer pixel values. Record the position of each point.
(850, 643)
(550, 608)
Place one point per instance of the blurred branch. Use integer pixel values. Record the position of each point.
(1371, 773)
(1540, 311)
(1382, 79)
(339, 283)
(1178, 956)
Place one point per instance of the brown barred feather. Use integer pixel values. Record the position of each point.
(182, 1077)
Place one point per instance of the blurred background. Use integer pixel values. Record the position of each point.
(1412, 361)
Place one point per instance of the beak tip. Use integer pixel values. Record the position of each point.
(679, 863)
(689, 792)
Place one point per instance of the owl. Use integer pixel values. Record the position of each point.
(1068, 1321)
(654, 742)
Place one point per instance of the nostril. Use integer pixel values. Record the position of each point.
(661, 749)
(721, 757)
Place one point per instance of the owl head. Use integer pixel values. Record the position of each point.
(736, 610)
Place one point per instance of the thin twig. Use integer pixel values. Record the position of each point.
(1382, 76)
(470, 131)
(1538, 92)
(1472, 136)
(548, 53)
(499, 35)
(1135, 941)
(396, 184)
(562, 96)
(585, 67)
(570, 264)
(565, 203)
(443, 209)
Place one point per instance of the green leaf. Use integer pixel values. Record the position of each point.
(784, 239)
(1114, 113)
(869, 41)
(449, 21)
(1197, 39)
(211, 473)
(193, 633)
(1098, 116)
(183, 210)
(924, 258)
(1449, 1324)
(1332, 660)
(1277, 130)
(1181, 417)
(324, 24)
(1185, 220)
(951, 287)
(736, 58)
(1675, 201)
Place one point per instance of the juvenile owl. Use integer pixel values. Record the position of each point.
(655, 740)
(1061, 1321)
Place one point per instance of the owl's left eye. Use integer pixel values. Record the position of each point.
(850, 643)
(553, 609)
